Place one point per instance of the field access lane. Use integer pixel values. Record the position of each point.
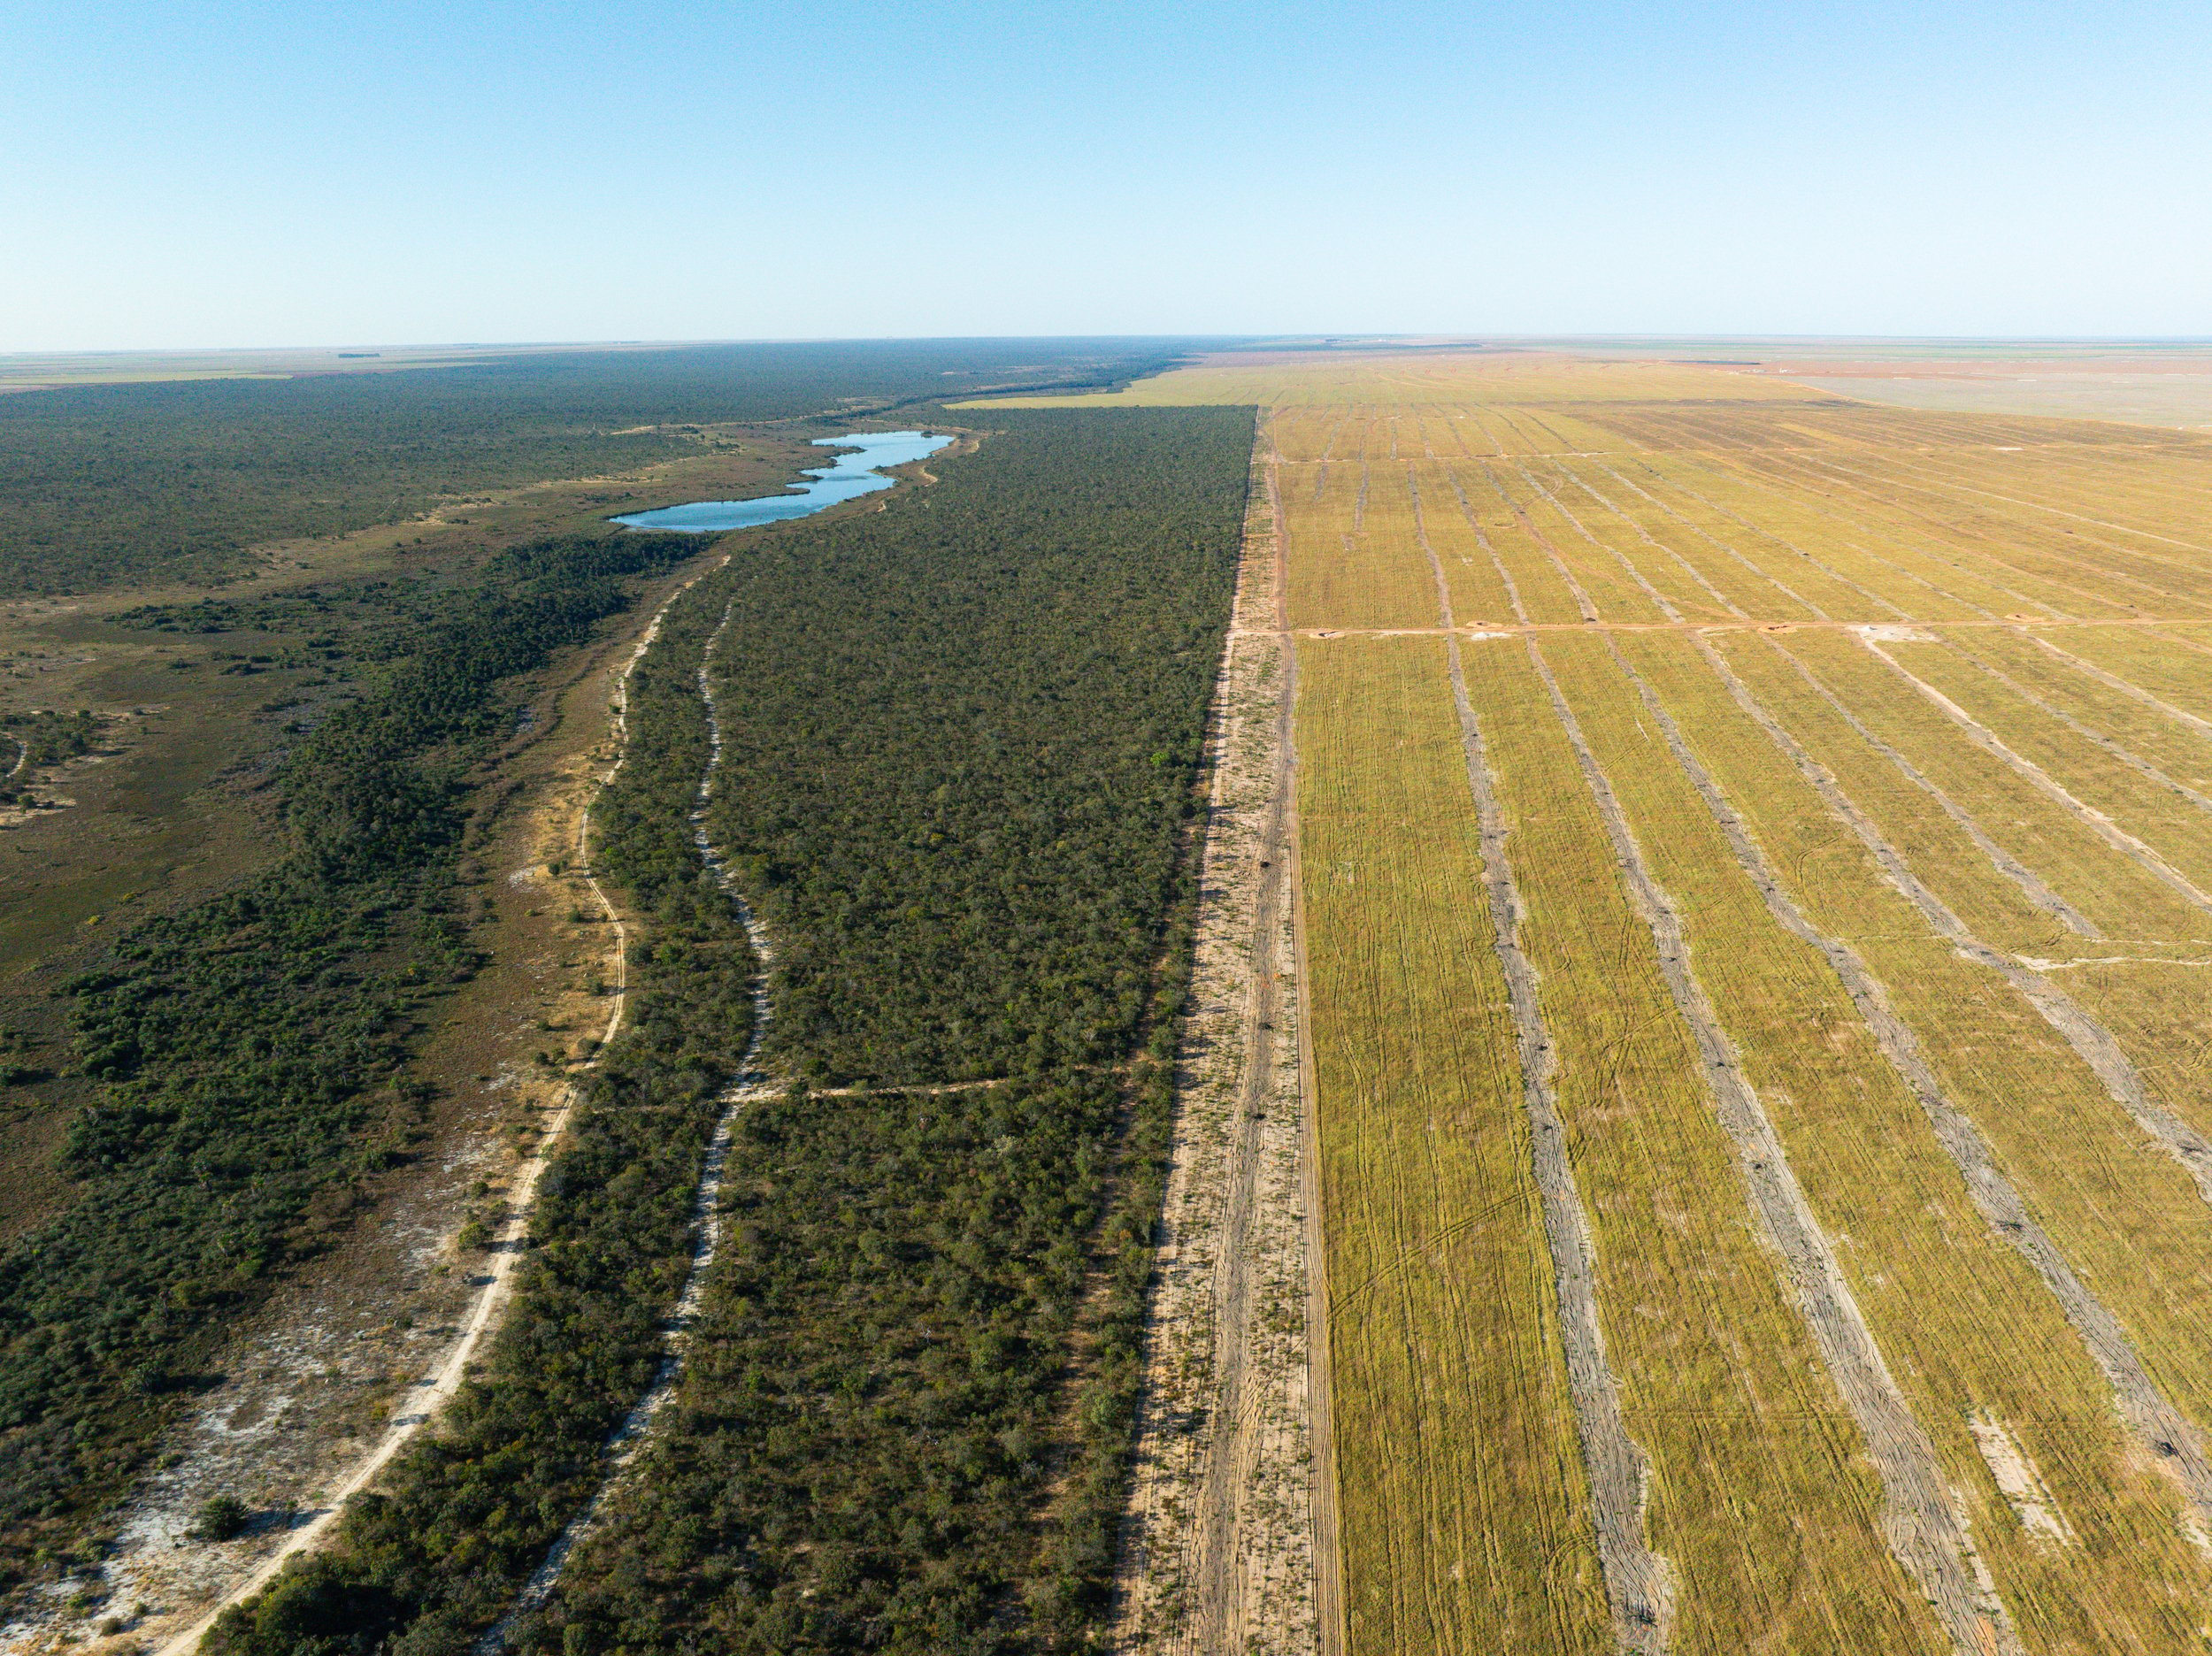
(1982, 1348)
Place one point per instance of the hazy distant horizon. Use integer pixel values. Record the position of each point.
(1341, 337)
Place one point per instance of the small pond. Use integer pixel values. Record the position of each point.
(851, 476)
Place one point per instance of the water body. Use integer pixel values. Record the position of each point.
(851, 476)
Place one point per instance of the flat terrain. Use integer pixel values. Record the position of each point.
(1756, 872)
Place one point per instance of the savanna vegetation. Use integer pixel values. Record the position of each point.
(437, 1553)
(251, 1048)
(968, 734)
(39, 740)
(103, 485)
(962, 736)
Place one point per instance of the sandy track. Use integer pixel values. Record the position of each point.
(1218, 1551)
(706, 1207)
(1638, 1584)
(484, 1314)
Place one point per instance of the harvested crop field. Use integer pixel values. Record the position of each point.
(1754, 883)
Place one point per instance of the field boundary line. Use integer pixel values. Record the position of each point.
(2126, 755)
(1217, 1545)
(2031, 884)
(1787, 545)
(1807, 495)
(1639, 1581)
(1766, 575)
(1981, 549)
(2160, 1427)
(2203, 727)
(1747, 623)
(1330, 1638)
(1924, 1532)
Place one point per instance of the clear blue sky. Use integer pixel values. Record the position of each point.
(249, 173)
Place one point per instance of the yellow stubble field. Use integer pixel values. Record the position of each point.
(1851, 771)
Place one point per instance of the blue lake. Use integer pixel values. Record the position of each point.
(850, 477)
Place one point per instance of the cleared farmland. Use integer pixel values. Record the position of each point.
(1756, 892)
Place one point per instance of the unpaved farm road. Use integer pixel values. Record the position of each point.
(435, 1393)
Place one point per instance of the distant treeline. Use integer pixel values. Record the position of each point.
(964, 739)
(252, 1046)
(101, 485)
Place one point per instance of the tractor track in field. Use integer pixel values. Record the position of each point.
(1923, 1529)
(2030, 884)
(2091, 1041)
(2148, 1413)
(1638, 1582)
(2160, 1427)
(1749, 623)
(2098, 823)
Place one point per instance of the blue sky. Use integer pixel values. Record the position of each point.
(246, 173)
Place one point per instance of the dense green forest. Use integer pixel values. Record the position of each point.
(963, 742)
(252, 1046)
(107, 484)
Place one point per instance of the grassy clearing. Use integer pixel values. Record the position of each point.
(1463, 1506)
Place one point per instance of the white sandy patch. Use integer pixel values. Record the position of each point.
(2019, 1481)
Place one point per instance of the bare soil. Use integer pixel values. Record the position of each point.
(1218, 1551)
